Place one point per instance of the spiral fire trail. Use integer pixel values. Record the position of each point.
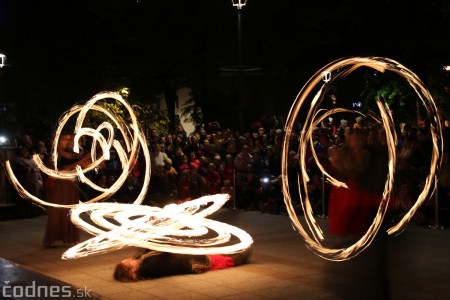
(181, 228)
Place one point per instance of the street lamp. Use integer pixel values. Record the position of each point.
(239, 4)
(3, 139)
(2, 63)
(2, 60)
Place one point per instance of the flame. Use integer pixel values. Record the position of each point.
(181, 228)
(339, 69)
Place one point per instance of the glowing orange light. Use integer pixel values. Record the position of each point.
(174, 228)
(334, 71)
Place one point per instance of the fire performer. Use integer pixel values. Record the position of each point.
(154, 264)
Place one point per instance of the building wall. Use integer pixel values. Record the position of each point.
(183, 96)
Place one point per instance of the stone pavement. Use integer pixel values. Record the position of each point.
(413, 265)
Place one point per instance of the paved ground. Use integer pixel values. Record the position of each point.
(414, 265)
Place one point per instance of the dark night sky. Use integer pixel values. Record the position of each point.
(62, 52)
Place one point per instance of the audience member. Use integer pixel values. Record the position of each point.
(194, 162)
(213, 180)
(158, 156)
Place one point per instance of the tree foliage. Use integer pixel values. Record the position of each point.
(148, 117)
(398, 95)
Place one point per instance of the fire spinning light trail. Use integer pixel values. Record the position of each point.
(179, 228)
(132, 136)
(335, 71)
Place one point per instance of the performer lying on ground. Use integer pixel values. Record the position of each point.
(154, 264)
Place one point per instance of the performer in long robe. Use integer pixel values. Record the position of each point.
(60, 230)
(351, 210)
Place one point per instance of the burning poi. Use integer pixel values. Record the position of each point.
(175, 228)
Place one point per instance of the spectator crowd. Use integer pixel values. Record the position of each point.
(247, 165)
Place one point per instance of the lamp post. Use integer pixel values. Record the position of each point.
(239, 4)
